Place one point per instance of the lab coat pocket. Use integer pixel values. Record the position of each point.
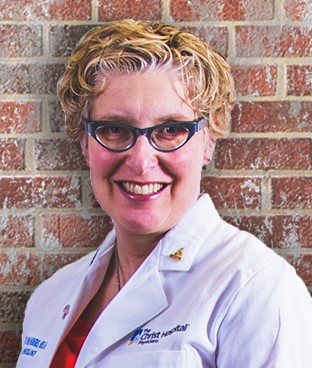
(157, 359)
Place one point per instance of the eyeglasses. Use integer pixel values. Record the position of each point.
(167, 137)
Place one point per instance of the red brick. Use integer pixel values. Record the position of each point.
(16, 192)
(211, 10)
(264, 154)
(272, 116)
(31, 269)
(12, 154)
(12, 306)
(88, 232)
(259, 226)
(273, 41)
(58, 154)
(20, 41)
(10, 345)
(65, 38)
(40, 192)
(111, 10)
(291, 192)
(229, 192)
(298, 10)
(255, 80)
(53, 262)
(283, 232)
(292, 231)
(18, 268)
(22, 78)
(299, 80)
(60, 192)
(74, 231)
(20, 117)
(46, 10)
(217, 37)
(50, 236)
(16, 231)
(303, 265)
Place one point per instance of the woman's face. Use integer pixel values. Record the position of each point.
(170, 181)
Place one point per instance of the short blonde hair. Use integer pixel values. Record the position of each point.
(128, 46)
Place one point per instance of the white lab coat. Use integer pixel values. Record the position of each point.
(230, 302)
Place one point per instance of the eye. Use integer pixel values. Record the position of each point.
(111, 130)
(113, 133)
(171, 132)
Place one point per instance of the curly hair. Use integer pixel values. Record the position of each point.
(128, 46)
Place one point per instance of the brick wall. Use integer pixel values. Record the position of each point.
(261, 176)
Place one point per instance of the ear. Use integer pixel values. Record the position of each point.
(85, 148)
(210, 145)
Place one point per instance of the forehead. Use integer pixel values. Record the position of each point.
(148, 95)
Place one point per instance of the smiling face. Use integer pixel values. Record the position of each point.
(145, 191)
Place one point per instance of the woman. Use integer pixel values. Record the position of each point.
(172, 285)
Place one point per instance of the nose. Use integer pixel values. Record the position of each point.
(141, 157)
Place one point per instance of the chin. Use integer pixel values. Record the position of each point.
(145, 226)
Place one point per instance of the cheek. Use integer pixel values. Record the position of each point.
(101, 161)
(192, 154)
(186, 162)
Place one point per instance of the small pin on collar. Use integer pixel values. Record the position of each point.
(66, 311)
(178, 255)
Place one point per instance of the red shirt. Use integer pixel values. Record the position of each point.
(67, 353)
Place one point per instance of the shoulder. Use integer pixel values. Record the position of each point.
(258, 281)
(262, 302)
(233, 251)
(239, 268)
(272, 309)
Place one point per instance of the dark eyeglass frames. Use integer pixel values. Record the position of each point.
(167, 137)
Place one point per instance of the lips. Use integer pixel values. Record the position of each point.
(146, 189)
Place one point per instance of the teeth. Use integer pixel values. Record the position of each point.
(142, 189)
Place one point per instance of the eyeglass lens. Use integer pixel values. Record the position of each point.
(165, 138)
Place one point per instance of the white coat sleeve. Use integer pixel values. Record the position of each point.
(269, 322)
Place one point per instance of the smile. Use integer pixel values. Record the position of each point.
(146, 189)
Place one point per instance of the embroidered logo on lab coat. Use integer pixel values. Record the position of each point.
(144, 336)
(32, 345)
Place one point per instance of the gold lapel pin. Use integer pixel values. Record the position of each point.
(178, 255)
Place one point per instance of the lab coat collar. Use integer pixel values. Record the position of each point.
(197, 225)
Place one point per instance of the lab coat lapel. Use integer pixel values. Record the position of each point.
(86, 291)
(79, 295)
(141, 299)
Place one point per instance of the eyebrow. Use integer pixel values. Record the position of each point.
(125, 119)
